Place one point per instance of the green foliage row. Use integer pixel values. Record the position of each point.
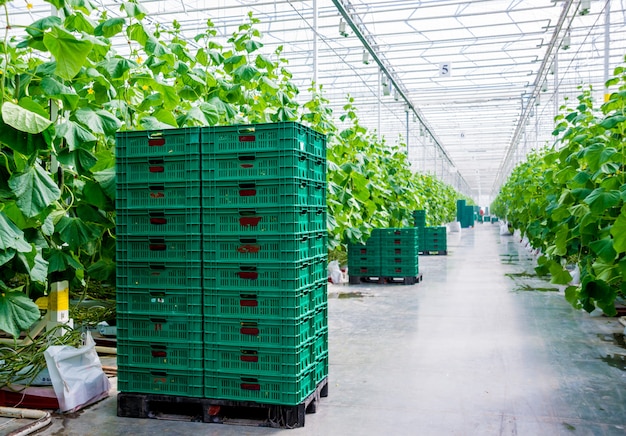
(65, 92)
(570, 200)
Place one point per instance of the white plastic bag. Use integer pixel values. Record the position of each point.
(76, 374)
(454, 226)
(334, 272)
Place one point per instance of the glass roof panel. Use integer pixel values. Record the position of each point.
(497, 103)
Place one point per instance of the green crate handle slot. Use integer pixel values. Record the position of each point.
(158, 320)
(249, 248)
(249, 356)
(157, 266)
(252, 331)
(157, 293)
(248, 301)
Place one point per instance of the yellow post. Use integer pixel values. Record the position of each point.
(59, 305)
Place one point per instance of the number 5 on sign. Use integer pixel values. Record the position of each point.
(445, 69)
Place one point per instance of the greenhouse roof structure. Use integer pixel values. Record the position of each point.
(469, 87)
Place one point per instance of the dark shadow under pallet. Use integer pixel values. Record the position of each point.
(434, 253)
(171, 407)
(355, 280)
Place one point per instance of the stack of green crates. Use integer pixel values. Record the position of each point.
(265, 256)
(391, 252)
(435, 240)
(159, 263)
(364, 259)
(221, 257)
(419, 222)
(465, 214)
(399, 250)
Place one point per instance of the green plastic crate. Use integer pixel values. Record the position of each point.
(277, 332)
(264, 221)
(157, 143)
(163, 302)
(320, 342)
(186, 383)
(140, 327)
(159, 275)
(364, 271)
(263, 165)
(320, 318)
(158, 195)
(185, 248)
(263, 193)
(408, 251)
(438, 230)
(259, 388)
(403, 232)
(357, 250)
(400, 271)
(366, 261)
(158, 169)
(160, 355)
(264, 304)
(399, 261)
(171, 222)
(290, 276)
(263, 137)
(283, 361)
(265, 248)
(321, 368)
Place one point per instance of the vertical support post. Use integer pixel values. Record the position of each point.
(556, 82)
(59, 304)
(315, 48)
(407, 132)
(380, 83)
(607, 48)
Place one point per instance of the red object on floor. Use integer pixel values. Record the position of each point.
(34, 397)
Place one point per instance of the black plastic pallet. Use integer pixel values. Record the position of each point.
(170, 407)
(434, 253)
(355, 280)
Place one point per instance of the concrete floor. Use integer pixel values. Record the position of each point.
(471, 350)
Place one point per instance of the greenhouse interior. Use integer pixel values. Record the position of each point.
(322, 217)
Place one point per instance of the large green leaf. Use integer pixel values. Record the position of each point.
(604, 249)
(54, 89)
(69, 52)
(98, 120)
(22, 142)
(11, 236)
(110, 27)
(76, 233)
(560, 275)
(118, 66)
(58, 261)
(38, 28)
(618, 231)
(23, 119)
(134, 10)
(79, 159)
(35, 265)
(35, 190)
(76, 136)
(600, 200)
(17, 312)
(102, 269)
(80, 23)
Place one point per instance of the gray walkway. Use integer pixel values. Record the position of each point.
(469, 351)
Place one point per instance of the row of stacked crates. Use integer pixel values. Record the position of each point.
(431, 239)
(391, 252)
(465, 214)
(221, 262)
